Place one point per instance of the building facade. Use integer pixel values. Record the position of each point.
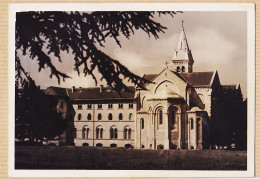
(177, 109)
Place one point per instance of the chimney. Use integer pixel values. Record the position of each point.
(101, 88)
(73, 89)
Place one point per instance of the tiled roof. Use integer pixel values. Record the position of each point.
(57, 91)
(107, 93)
(198, 78)
(90, 93)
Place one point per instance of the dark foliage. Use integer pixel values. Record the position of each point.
(35, 113)
(40, 34)
(229, 121)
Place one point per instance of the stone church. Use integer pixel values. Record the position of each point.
(174, 110)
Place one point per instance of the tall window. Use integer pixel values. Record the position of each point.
(110, 117)
(120, 105)
(183, 69)
(160, 113)
(79, 116)
(178, 69)
(89, 116)
(130, 116)
(99, 132)
(110, 106)
(191, 124)
(79, 106)
(120, 117)
(127, 132)
(85, 132)
(99, 106)
(89, 106)
(142, 123)
(113, 132)
(131, 105)
(99, 116)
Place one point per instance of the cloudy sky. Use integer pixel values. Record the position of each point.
(218, 41)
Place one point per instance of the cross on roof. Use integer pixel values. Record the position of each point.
(166, 64)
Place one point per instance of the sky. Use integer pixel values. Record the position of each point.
(217, 40)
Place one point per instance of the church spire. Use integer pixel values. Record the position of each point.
(182, 57)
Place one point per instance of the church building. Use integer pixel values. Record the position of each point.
(175, 110)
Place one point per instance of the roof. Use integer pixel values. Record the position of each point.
(90, 93)
(229, 87)
(150, 77)
(96, 94)
(57, 91)
(198, 78)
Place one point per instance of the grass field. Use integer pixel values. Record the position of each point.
(127, 159)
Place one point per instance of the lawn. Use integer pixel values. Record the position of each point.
(127, 159)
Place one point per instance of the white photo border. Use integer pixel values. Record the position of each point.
(248, 7)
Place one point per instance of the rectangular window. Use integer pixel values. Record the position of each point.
(79, 106)
(120, 105)
(89, 106)
(131, 105)
(99, 106)
(110, 106)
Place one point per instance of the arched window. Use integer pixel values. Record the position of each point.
(172, 117)
(99, 132)
(191, 124)
(110, 116)
(89, 116)
(160, 115)
(79, 116)
(130, 116)
(120, 117)
(99, 116)
(142, 123)
(178, 69)
(113, 132)
(127, 132)
(183, 69)
(85, 132)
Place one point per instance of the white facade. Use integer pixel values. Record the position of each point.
(104, 124)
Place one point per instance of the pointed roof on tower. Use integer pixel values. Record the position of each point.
(182, 52)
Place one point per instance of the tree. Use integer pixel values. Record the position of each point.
(36, 116)
(82, 33)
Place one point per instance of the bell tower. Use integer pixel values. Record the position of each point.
(182, 57)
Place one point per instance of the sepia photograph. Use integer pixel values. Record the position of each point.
(132, 87)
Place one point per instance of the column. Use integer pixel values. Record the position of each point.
(165, 120)
(178, 115)
(195, 130)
